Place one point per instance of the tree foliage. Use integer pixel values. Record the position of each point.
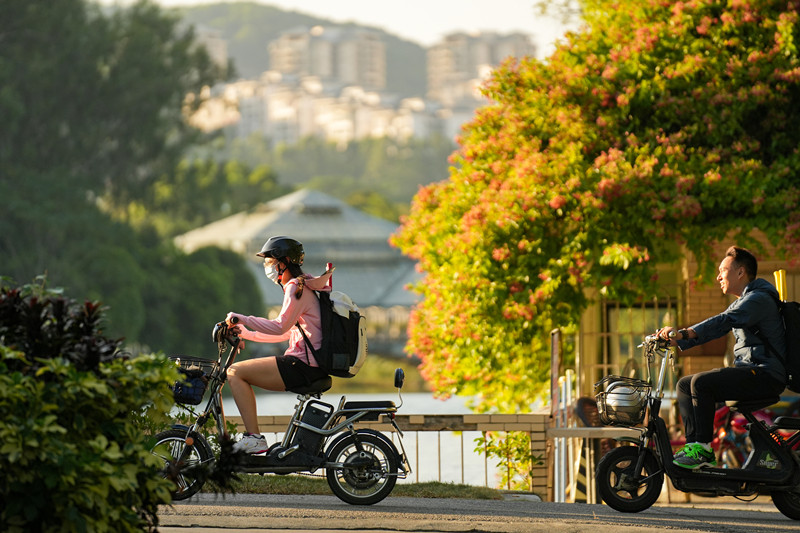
(100, 98)
(658, 129)
(198, 192)
(92, 106)
(377, 175)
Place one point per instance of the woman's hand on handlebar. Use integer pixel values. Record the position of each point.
(233, 328)
(231, 320)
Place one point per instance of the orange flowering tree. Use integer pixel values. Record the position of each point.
(661, 126)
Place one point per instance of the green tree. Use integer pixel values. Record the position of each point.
(159, 298)
(365, 174)
(100, 98)
(658, 129)
(377, 206)
(196, 293)
(92, 105)
(198, 192)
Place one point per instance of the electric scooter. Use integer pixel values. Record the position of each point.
(361, 465)
(629, 478)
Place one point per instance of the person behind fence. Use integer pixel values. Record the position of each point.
(283, 258)
(756, 372)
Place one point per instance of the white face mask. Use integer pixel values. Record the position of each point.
(272, 273)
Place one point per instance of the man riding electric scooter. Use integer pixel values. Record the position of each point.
(756, 371)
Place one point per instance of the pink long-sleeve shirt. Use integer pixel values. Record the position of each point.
(304, 310)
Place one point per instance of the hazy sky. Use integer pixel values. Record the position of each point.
(423, 21)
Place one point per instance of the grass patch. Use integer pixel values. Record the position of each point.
(435, 489)
(296, 484)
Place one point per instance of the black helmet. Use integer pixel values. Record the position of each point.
(283, 247)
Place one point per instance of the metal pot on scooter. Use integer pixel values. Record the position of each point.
(623, 401)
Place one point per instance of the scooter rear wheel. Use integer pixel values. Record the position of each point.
(365, 477)
(618, 485)
(787, 503)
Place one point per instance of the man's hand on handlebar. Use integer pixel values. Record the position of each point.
(673, 335)
(658, 340)
(668, 333)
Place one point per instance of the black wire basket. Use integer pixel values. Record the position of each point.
(191, 389)
(622, 401)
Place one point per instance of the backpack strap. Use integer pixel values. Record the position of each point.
(307, 343)
(305, 337)
(763, 338)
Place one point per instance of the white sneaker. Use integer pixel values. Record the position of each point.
(251, 444)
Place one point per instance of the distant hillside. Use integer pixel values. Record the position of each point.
(248, 27)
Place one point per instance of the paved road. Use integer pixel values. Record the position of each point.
(256, 512)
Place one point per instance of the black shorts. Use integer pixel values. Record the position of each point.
(295, 373)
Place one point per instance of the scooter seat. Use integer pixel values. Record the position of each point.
(378, 404)
(787, 422)
(374, 408)
(752, 405)
(316, 387)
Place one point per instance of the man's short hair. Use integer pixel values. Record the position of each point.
(744, 258)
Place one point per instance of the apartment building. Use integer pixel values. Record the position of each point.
(458, 64)
(330, 83)
(216, 45)
(334, 55)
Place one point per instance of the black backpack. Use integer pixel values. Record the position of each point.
(790, 311)
(344, 335)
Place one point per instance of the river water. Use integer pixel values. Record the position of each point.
(434, 456)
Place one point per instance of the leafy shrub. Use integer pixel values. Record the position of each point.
(516, 460)
(73, 455)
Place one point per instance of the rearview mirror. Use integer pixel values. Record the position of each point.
(399, 378)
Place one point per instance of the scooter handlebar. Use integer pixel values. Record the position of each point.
(221, 332)
(658, 341)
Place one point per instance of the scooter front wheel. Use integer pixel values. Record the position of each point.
(183, 461)
(368, 475)
(624, 489)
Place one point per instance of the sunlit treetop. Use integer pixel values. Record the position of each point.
(658, 129)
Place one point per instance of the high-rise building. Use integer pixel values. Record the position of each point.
(458, 64)
(329, 83)
(334, 55)
(215, 44)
